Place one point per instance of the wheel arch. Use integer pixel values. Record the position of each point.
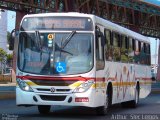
(109, 92)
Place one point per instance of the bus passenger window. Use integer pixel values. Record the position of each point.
(133, 44)
(108, 47)
(137, 52)
(145, 53)
(131, 50)
(142, 54)
(139, 46)
(116, 47)
(148, 62)
(124, 49)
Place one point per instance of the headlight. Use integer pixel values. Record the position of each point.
(24, 86)
(84, 86)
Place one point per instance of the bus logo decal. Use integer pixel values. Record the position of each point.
(52, 89)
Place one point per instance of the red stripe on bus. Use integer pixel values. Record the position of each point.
(51, 78)
(147, 79)
(72, 78)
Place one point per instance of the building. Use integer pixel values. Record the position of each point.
(3, 36)
(3, 29)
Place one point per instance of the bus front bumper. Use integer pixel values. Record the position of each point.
(90, 98)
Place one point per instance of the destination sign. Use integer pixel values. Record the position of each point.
(56, 23)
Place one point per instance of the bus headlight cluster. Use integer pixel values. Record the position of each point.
(84, 86)
(24, 86)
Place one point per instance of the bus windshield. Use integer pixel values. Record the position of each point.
(49, 53)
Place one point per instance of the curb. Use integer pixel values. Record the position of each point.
(7, 91)
(155, 91)
(7, 95)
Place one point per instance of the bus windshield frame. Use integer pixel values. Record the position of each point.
(77, 56)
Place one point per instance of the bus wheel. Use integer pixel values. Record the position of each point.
(44, 109)
(132, 103)
(102, 110)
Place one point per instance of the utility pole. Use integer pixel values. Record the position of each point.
(155, 57)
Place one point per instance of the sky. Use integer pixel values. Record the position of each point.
(11, 26)
(155, 2)
(11, 20)
(154, 51)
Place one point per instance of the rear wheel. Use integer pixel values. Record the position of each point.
(44, 109)
(132, 103)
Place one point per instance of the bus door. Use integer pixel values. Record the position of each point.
(100, 63)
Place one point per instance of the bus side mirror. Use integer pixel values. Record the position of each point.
(11, 40)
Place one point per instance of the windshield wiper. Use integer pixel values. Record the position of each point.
(38, 43)
(66, 41)
(38, 40)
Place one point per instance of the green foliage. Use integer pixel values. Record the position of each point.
(9, 57)
(3, 54)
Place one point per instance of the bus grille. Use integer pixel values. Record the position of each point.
(52, 98)
(57, 90)
(54, 82)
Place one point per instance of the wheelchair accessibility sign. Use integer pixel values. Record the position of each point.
(61, 67)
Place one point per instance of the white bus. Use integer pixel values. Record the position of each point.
(76, 59)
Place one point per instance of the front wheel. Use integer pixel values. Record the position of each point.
(102, 110)
(44, 109)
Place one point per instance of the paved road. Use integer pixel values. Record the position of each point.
(147, 110)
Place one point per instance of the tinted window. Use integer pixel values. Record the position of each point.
(124, 50)
(116, 47)
(108, 47)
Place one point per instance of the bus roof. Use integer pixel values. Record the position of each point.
(98, 20)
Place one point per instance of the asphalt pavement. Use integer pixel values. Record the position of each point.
(149, 106)
(148, 109)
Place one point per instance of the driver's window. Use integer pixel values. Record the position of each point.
(99, 50)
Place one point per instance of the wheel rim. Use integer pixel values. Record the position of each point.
(136, 99)
(106, 103)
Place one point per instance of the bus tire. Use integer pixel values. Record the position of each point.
(132, 103)
(102, 110)
(108, 102)
(44, 109)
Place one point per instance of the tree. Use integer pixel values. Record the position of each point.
(3, 54)
(9, 59)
